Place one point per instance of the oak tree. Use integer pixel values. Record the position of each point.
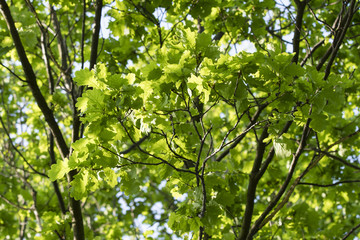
(190, 119)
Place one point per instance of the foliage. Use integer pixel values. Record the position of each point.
(156, 127)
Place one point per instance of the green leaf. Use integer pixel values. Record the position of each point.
(110, 177)
(225, 198)
(195, 82)
(79, 184)
(282, 149)
(84, 77)
(5, 50)
(318, 122)
(203, 40)
(58, 170)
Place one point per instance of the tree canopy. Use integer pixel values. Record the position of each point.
(188, 119)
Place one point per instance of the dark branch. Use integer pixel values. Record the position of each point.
(329, 185)
(135, 145)
(298, 25)
(312, 164)
(31, 80)
(83, 34)
(95, 36)
(341, 160)
(241, 137)
(351, 231)
(48, 114)
(13, 73)
(311, 52)
(253, 181)
(17, 150)
(255, 228)
(152, 155)
(350, 14)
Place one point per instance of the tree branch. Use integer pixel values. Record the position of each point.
(14, 204)
(351, 231)
(340, 160)
(152, 155)
(44, 49)
(238, 140)
(341, 38)
(13, 73)
(63, 50)
(48, 114)
(298, 25)
(255, 228)
(31, 80)
(312, 164)
(253, 181)
(272, 152)
(338, 24)
(95, 36)
(83, 34)
(17, 150)
(311, 52)
(329, 185)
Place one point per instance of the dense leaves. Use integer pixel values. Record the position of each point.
(179, 119)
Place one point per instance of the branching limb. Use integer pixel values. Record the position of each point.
(272, 153)
(199, 158)
(14, 204)
(311, 52)
(45, 56)
(350, 14)
(83, 34)
(135, 145)
(152, 155)
(201, 177)
(17, 150)
(47, 112)
(127, 159)
(31, 80)
(238, 139)
(63, 51)
(312, 164)
(255, 228)
(172, 150)
(341, 24)
(253, 181)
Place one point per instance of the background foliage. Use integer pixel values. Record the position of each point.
(159, 126)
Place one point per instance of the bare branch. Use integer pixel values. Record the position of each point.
(47, 112)
(311, 52)
(83, 34)
(152, 155)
